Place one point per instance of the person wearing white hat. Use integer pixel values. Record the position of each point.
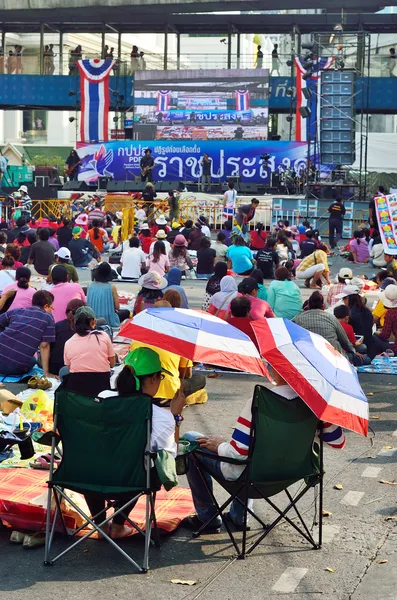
(26, 201)
(389, 300)
(344, 276)
(162, 237)
(63, 257)
(151, 291)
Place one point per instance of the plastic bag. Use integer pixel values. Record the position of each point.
(39, 407)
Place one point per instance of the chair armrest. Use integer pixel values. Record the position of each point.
(226, 459)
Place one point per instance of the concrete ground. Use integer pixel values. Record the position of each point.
(358, 559)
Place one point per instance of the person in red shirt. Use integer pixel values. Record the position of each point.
(145, 237)
(342, 313)
(240, 308)
(259, 308)
(258, 237)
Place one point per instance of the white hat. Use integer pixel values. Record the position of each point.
(389, 297)
(161, 220)
(357, 282)
(153, 281)
(349, 290)
(63, 253)
(144, 226)
(161, 235)
(23, 188)
(345, 273)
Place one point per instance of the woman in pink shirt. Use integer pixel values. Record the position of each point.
(158, 260)
(20, 291)
(259, 308)
(63, 292)
(359, 248)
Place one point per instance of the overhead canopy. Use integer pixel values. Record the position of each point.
(137, 20)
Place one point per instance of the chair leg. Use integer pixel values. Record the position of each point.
(48, 538)
(320, 521)
(301, 518)
(154, 520)
(148, 531)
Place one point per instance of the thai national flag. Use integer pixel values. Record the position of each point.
(95, 101)
(242, 100)
(302, 125)
(163, 100)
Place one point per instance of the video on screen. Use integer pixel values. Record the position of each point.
(201, 105)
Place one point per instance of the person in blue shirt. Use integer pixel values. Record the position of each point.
(240, 257)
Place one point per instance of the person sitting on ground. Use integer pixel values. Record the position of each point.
(103, 298)
(220, 247)
(284, 247)
(206, 258)
(361, 319)
(141, 375)
(81, 249)
(315, 319)
(158, 260)
(63, 292)
(379, 312)
(308, 245)
(258, 276)
(259, 308)
(18, 294)
(97, 214)
(172, 297)
(42, 253)
(88, 356)
(214, 283)
(345, 276)
(377, 253)
(219, 303)
(98, 237)
(342, 313)
(258, 237)
(237, 448)
(359, 252)
(133, 260)
(161, 236)
(174, 283)
(3, 244)
(25, 250)
(195, 237)
(62, 257)
(240, 309)
(203, 222)
(187, 229)
(267, 259)
(239, 257)
(7, 273)
(313, 268)
(227, 231)
(283, 295)
(15, 252)
(389, 300)
(152, 286)
(22, 331)
(179, 256)
(53, 238)
(145, 236)
(64, 330)
(391, 265)
(64, 233)
(175, 227)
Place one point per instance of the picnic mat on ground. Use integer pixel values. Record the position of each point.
(16, 378)
(386, 366)
(23, 498)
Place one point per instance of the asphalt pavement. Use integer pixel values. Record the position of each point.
(359, 556)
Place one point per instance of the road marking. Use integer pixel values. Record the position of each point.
(390, 452)
(289, 580)
(371, 472)
(329, 532)
(352, 498)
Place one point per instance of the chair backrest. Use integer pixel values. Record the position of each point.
(282, 447)
(103, 441)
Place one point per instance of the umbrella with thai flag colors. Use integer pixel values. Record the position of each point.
(197, 336)
(322, 377)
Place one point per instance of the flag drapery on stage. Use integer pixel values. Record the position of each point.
(95, 101)
(303, 125)
(163, 100)
(242, 100)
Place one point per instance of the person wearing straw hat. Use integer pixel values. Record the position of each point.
(389, 300)
(152, 286)
(162, 237)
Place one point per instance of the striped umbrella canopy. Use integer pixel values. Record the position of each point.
(196, 336)
(322, 377)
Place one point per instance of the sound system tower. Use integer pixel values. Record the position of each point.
(337, 117)
(78, 186)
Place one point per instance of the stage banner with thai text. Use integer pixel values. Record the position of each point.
(181, 160)
(386, 212)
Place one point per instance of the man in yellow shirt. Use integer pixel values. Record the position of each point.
(314, 267)
(181, 368)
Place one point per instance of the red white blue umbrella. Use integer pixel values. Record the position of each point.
(321, 376)
(196, 336)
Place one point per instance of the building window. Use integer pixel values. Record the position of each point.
(35, 126)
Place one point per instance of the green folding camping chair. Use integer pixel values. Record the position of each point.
(282, 452)
(105, 451)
